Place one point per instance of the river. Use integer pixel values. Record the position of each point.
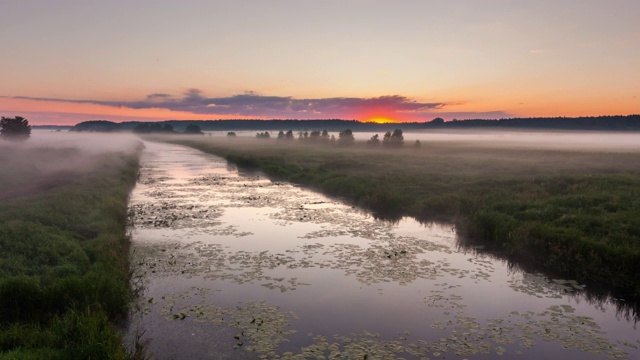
(232, 265)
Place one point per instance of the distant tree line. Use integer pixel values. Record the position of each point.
(164, 128)
(600, 123)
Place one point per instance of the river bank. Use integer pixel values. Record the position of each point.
(64, 263)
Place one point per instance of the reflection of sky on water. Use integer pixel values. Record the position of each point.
(247, 239)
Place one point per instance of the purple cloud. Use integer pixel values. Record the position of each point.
(251, 104)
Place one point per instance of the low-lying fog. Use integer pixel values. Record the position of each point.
(569, 140)
(50, 159)
(93, 143)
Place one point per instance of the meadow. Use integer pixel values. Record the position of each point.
(572, 212)
(64, 253)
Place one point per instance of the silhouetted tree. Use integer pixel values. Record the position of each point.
(394, 139)
(142, 128)
(374, 141)
(192, 129)
(147, 128)
(264, 135)
(289, 135)
(167, 128)
(16, 128)
(231, 134)
(314, 135)
(417, 144)
(345, 137)
(281, 135)
(437, 121)
(324, 136)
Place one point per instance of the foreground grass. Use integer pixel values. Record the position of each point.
(63, 253)
(574, 213)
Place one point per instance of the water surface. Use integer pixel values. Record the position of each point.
(233, 265)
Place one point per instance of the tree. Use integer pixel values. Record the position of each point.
(289, 135)
(231, 134)
(167, 128)
(142, 128)
(16, 128)
(325, 136)
(263, 135)
(345, 137)
(374, 141)
(314, 135)
(148, 128)
(192, 129)
(395, 139)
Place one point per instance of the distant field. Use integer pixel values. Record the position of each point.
(64, 272)
(573, 210)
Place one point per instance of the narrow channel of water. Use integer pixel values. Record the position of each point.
(231, 265)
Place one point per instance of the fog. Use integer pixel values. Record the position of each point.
(51, 159)
(90, 143)
(568, 140)
(558, 140)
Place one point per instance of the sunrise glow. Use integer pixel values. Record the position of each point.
(381, 120)
(241, 60)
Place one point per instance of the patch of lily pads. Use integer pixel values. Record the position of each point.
(264, 328)
(371, 253)
(541, 286)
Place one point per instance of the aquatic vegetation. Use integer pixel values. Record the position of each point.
(572, 212)
(279, 272)
(541, 286)
(263, 328)
(388, 257)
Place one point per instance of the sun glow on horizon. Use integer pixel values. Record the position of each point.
(382, 120)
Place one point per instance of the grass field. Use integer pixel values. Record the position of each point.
(571, 212)
(64, 271)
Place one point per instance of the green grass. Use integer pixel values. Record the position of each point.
(64, 271)
(574, 213)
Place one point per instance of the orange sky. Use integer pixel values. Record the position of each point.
(331, 59)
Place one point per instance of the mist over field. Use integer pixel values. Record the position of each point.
(91, 143)
(51, 159)
(558, 140)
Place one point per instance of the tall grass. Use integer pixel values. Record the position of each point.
(64, 254)
(575, 213)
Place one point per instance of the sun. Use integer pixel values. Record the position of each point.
(382, 120)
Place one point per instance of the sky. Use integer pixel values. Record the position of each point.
(68, 61)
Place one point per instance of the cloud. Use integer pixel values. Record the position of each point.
(537, 51)
(251, 104)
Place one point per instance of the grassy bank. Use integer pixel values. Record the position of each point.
(576, 213)
(63, 252)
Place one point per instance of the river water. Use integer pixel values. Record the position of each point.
(231, 265)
